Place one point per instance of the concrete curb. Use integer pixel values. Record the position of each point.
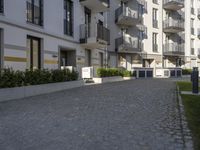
(187, 136)
(34, 90)
(108, 79)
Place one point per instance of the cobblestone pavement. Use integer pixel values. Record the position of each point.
(129, 115)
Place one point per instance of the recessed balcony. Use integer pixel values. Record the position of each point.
(174, 49)
(125, 16)
(173, 26)
(128, 44)
(173, 4)
(96, 5)
(94, 36)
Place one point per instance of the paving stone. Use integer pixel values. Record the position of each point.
(129, 115)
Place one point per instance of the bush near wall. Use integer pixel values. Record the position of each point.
(10, 78)
(110, 72)
(186, 71)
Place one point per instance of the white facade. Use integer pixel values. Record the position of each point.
(170, 20)
(15, 29)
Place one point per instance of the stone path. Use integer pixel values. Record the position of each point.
(130, 115)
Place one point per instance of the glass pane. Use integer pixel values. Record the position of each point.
(35, 54)
(28, 54)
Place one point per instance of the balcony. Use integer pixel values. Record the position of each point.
(174, 49)
(94, 36)
(124, 16)
(128, 44)
(198, 13)
(173, 4)
(173, 26)
(198, 53)
(96, 5)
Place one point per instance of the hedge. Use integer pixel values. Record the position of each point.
(186, 71)
(11, 78)
(110, 72)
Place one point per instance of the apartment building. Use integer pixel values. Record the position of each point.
(154, 33)
(53, 34)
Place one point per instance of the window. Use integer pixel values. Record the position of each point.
(33, 53)
(192, 26)
(192, 46)
(88, 57)
(1, 6)
(155, 44)
(1, 48)
(154, 17)
(155, 1)
(35, 11)
(68, 17)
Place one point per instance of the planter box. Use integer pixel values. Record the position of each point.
(27, 91)
(108, 79)
(129, 78)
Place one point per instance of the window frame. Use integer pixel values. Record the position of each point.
(32, 10)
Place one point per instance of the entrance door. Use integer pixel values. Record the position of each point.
(67, 58)
(33, 53)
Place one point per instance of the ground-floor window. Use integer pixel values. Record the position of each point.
(67, 58)
(101, 59)
(33, 53)
(88, 57)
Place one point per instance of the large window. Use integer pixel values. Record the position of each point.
(33, 53)
(68, 17)
(154, 42)
(35, 12)
(1, 6)
(155, 18)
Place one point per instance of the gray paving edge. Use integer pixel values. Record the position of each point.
(186, 132)
(34, 90)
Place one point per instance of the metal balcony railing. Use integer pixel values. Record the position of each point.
(173, 23)
(129, 43)
(174, 48)
(127, 12)
(94, 31)
(173, 1)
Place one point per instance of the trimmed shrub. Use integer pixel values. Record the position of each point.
(107, 72)
(110, 72)
(10, 78)
(186, 71)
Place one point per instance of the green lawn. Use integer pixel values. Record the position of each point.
(192, 110)
(185, 86)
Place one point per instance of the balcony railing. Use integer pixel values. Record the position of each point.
(174, 49)
(126, 16)
(173, 26)
(173, 4)
(96, 5)
(127, 43)
(94, 34)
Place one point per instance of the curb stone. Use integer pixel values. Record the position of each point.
(186, 132)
